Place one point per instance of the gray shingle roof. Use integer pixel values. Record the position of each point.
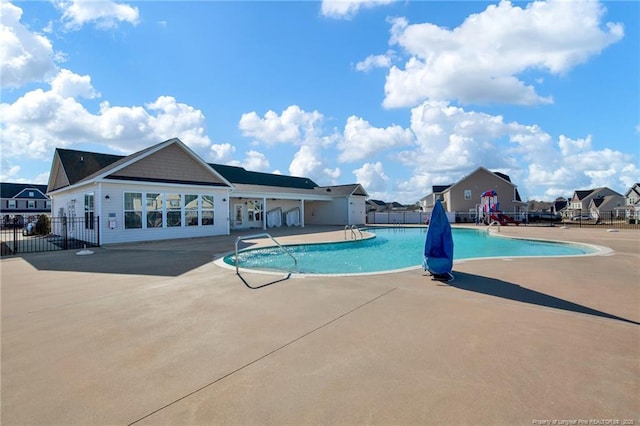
(80, 165)
(10, 190)
(240, 175)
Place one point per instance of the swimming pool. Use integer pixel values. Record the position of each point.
(394, 249)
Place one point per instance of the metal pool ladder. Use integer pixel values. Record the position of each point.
(494, 223)
(353, 229)
(251, 237)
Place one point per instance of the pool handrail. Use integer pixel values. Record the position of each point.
(262, 235)
(353, 233)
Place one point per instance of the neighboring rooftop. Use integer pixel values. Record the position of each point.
(17, 190)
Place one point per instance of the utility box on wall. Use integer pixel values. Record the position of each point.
(112, 221)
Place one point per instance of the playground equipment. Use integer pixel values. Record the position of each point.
(490, 210)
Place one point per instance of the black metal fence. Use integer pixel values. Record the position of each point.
(610, 219)
(49, 234)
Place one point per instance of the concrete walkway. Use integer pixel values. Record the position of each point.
(157, 334)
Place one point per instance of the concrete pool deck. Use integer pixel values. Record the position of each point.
(157, 334)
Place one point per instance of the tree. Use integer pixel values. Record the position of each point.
(43, 225)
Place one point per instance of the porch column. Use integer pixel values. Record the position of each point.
(302, 212)
(264, 213)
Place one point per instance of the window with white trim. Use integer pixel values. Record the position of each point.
(467, 194)
(154, 206)
(89, 210)
(191, 202)
(132, 210)
(12, 204)
(174, 210)
(207, 210)
(31, 204)
(162, 210)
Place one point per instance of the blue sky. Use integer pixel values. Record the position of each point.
(397, 96)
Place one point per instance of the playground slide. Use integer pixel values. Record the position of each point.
(503, 219)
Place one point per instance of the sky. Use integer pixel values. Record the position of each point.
(395, 95)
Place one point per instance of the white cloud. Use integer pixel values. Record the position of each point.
(221, 153)
(570, 147)
(10, 173)
(452, 142)
(24, 55)
(481, 60)
(293, 126)
(256, 161)
(372, 177)
(360, 139)
(309, 162)
(41, 120)
(374, 61)
(579, 166)
(346, 9)
(104, 13)
(70, 85)
(299, 128)
(306, 163)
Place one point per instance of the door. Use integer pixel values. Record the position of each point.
(239, 214)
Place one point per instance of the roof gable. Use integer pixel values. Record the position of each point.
(171, 163)
(635, 189)
(581, 194)
(482, 170)
(607, 202)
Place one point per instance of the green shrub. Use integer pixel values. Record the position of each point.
(43, 225)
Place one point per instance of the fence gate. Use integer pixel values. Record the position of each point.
(55, 233)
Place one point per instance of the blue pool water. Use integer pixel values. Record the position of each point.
(392, 249)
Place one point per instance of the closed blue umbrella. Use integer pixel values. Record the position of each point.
(438, 247)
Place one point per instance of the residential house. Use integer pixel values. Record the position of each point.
(632, 196)
(22, 202)
(560, 206)
(605, 204)
(167, 191)
(437, 193)
(464, 196)
(632, 202)
(396, 206)
(581, 201)
(376, 206)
